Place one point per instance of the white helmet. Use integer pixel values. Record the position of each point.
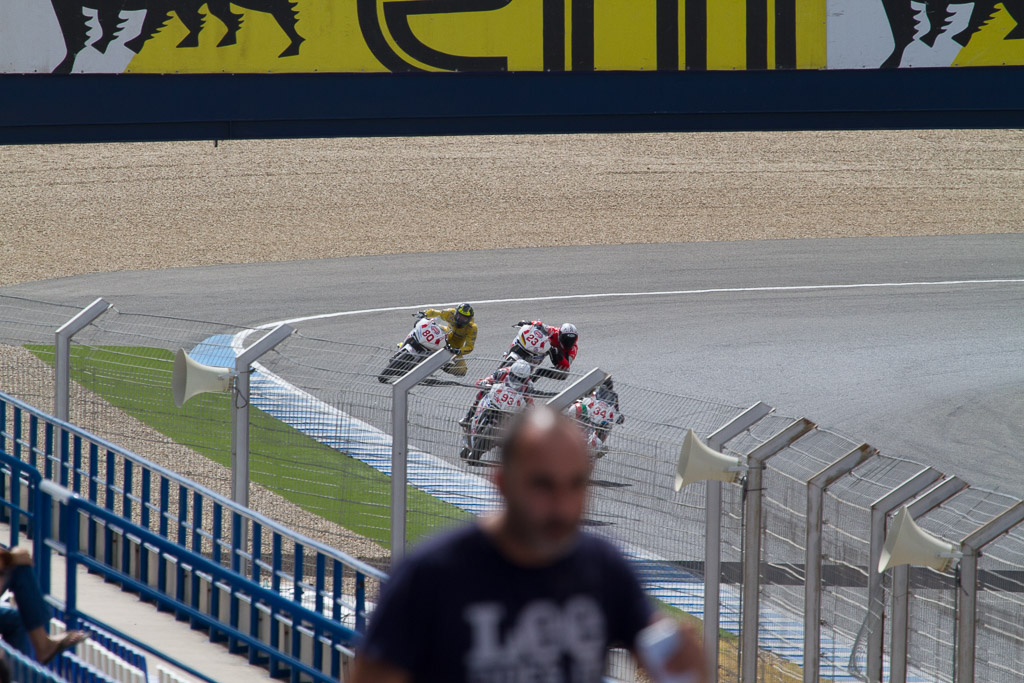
(520, 370)
(567, 336)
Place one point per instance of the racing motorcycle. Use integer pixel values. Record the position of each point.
(427, 337)
(502, 400)
(597, 417)
(531, 344)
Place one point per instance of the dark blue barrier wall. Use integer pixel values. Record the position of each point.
(91, 107)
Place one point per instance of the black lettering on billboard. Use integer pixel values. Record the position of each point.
(373, 34)
(396, 20)
(785, 34)
(554, 35)
(757, 34)
(667, 18)
(696, 34)
(582, 35)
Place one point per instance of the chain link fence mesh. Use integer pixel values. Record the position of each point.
(1000, 636)
(775, 666)
(320, 447)
(846, 557)
(933, 595)
(25, 324)
(123, 363)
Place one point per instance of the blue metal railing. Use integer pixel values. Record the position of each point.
(186, 513)
(327, 639)
(109, 642)
(324, 640)
(19, 482)
(125, 487)
(67, 667)
(24, 669)
(19, 486)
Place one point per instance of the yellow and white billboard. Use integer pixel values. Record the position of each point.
(306, 36)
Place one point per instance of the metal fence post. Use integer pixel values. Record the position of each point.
(931, 499)
(966, 617)
(713, 535)
(816, 487)
(874, 623)
(240, 411)
(577, 390)
(753, 523)
(400, 443)
(51, 495)
(62, 354)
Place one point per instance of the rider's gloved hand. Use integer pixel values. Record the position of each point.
(419, 314)
(522, 322)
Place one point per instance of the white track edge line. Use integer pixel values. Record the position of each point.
(619, 295)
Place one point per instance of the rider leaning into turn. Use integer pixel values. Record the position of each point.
(606, 392)
(462, 337)
(517, 376)
(563, 342)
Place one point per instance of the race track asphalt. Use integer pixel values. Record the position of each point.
(930, 372)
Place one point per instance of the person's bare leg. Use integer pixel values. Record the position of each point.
(22, 582)
(47, 647)
(19, 557)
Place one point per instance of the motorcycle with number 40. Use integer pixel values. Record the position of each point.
(427, 337)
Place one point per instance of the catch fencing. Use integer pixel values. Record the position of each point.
(320, 456)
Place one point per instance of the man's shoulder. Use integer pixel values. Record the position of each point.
(596, 547)
(447, 547)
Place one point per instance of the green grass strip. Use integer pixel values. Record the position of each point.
(320, 479)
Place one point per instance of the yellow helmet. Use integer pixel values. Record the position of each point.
(463, 315)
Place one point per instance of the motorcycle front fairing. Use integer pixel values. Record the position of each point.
(497, 404)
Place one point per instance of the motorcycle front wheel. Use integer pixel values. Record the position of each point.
(481, 442)
(400, 363)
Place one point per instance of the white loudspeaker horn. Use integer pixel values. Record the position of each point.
(192, 377)
(699, 462)
(907, 543)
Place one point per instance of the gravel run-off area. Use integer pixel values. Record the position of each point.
(71, 209)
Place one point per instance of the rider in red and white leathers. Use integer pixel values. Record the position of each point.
(507, 376)
(516, 377)
(563, 345)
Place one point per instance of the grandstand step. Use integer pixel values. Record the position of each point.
(124, 612)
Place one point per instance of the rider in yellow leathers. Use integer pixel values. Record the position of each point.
(462, 337)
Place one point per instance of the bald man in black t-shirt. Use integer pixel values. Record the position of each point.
(519, 596)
